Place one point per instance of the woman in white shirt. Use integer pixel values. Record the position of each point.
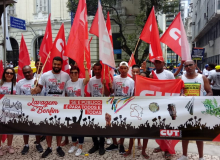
(75, 88)
(8, 86)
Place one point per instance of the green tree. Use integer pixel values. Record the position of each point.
(129, 41)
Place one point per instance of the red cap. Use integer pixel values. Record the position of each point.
(159, 58)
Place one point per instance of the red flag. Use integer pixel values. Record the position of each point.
(175, 38)
(167, 145)
(94, 29)
(150, 34)
(24, 58)
(108, 25)
(88, 60)
(106, 73)
(78, 37)
(130, 64)
(4, 137)
(153, 87)
(1, 69)
(58, 49)
(109, 29)
(46, 45)
(154, 75)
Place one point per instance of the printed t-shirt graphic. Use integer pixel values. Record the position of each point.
(95, 87)
(123, 86)
(54, 83)
(24, 86)
(192, 89)
(75, 89)
(6, 88)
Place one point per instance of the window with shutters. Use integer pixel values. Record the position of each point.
(42, 6)
(41, 9)
(11, 10)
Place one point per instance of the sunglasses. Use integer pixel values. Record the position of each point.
(189, 65)
(73, 72)
(11, 73)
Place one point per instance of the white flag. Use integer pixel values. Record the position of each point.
(8, 43)
(105, 46)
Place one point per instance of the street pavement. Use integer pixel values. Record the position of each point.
(211, 151)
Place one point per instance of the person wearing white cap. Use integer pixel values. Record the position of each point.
(122, 86)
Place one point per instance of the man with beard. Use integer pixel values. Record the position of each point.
(54, 82)
(194, 79)
(23, 87)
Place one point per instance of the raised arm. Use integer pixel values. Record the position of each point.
(179, 69)
(86, 80)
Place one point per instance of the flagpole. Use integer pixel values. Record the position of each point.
(42, 69)
(109, 75)
(38, 70)
(4, 54)
(136, 45)
(103, 82)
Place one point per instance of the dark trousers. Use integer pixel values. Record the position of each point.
(99, 142)
(81, 139)
(216, 92)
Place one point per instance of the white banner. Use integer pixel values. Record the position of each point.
(195, 118)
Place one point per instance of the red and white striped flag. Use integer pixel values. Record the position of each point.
(106, 54)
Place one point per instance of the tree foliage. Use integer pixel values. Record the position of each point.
(92, 5)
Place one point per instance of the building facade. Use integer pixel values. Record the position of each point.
(206, 28)
(35, 13)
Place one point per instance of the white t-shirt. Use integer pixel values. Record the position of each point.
(216, 78)
(24, 86)
(165, 75)
(211, 73)
(123, 86)
(6, 88)
(95, 87)
(54, 83)
(205, 72)
(75, 89)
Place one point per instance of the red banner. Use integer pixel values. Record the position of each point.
(153, 87)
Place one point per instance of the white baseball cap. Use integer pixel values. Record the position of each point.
(123, 63)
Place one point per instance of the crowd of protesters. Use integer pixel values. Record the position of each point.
(48, 86)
